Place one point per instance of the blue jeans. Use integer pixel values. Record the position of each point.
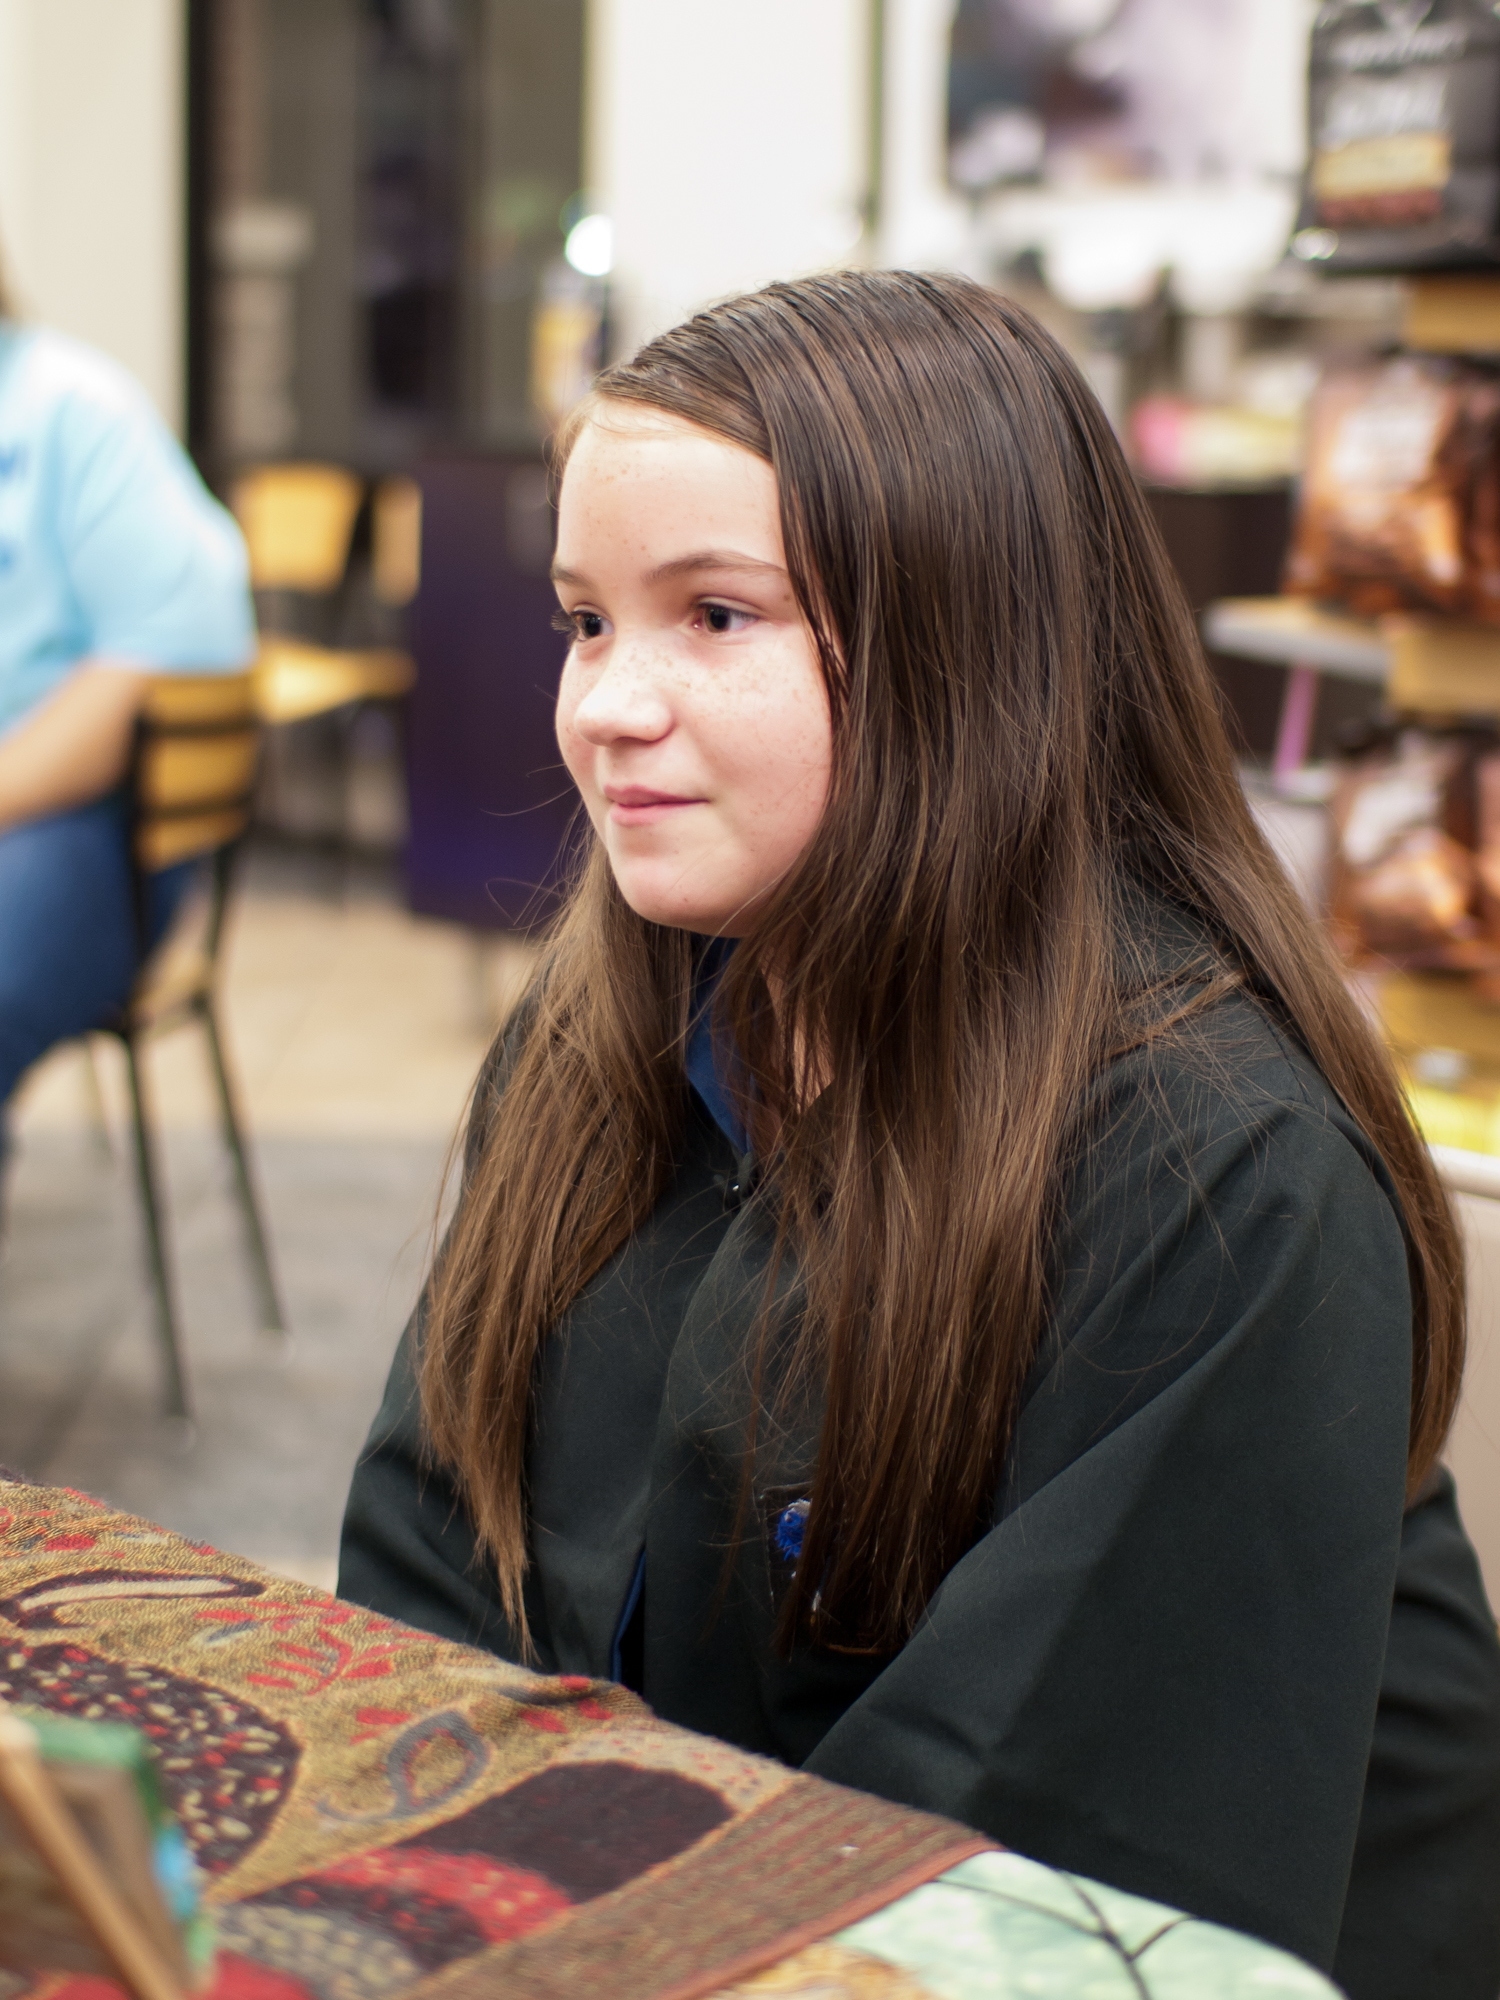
(68, 947)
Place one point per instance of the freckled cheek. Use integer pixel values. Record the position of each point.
(777, 798)
(778, 752)
(571, 744)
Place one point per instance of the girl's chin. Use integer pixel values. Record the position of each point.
(667, 904)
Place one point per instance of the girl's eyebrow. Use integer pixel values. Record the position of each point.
(711, 559)
(700, 559)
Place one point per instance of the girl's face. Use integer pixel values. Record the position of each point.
(692, 712)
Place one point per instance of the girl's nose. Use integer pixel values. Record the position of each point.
(625, 702)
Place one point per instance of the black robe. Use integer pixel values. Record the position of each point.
(1202, 1653)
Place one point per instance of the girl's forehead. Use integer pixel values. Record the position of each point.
(655, 473)
(622, 434)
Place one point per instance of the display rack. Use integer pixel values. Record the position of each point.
(1290, 632)
(1427, 666)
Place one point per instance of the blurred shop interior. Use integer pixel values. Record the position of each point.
(367, 253)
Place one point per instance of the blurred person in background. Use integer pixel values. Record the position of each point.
(116, 565)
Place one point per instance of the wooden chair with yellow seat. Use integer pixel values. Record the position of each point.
(192, 781)
(298, 522)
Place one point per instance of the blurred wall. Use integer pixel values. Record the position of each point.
(922, 224)
(1474, 1448)
(92, 177)
(730, 145)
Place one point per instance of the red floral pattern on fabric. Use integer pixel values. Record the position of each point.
(503, 1902)
(437, 1907)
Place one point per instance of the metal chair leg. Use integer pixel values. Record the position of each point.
(98, 1118)
(151, 1215)
(260, 1257)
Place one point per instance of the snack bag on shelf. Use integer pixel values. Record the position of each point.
(1482, 538)
(1399, 508)
(1403, 136)
(1487, 839)
(1406, 886)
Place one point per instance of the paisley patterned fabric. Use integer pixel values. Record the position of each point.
(381, 1815)
(378, 1812)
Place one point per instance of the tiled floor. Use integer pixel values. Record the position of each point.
(356, 1031)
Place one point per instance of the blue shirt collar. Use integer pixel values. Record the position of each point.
(710, 1059)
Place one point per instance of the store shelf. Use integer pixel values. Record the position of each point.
(1294, 632)
(1424, 1012)
(1467, 1173)
(1427, 665)
(1440, 667)
(1453, 314)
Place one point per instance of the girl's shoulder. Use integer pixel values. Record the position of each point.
(1224, 1228)
(1217, 1090)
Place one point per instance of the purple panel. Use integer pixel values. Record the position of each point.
(491, 804)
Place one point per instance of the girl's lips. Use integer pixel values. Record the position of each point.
(642, 805)
(642, 808)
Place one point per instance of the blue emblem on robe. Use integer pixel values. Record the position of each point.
(783, 1512)
(791, 1527)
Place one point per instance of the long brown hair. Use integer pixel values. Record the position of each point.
(1023, 726)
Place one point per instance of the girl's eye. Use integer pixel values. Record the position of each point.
(723, 618)
(579, 625)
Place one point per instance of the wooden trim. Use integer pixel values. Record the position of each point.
(1453, 314)
(1442, 668)
(295, 679)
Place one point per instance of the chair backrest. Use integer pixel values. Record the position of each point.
(193, 774)
(295, 680)
(396, 540)
(297, 520)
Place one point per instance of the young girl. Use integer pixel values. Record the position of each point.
(946, 1290)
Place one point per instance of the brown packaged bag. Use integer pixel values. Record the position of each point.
(1482, 534)
(1487, 840)
(1400, 506)
(1406, 887)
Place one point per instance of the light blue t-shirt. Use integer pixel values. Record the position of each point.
(110, 544)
